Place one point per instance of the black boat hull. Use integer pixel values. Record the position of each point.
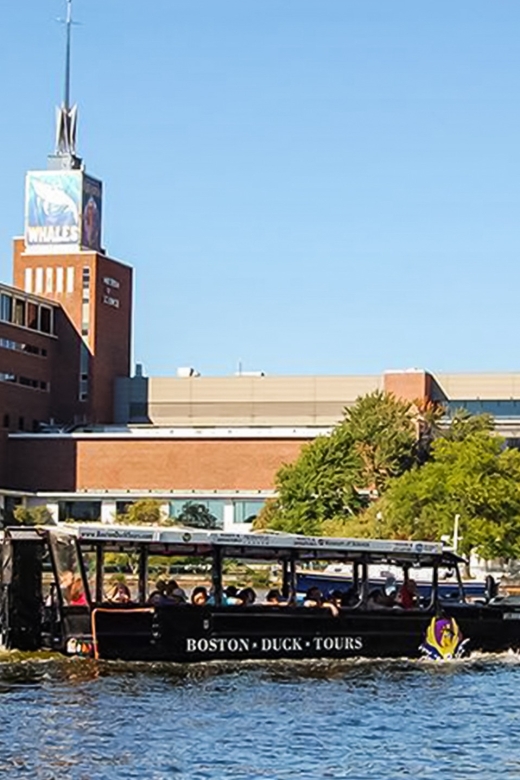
(186, 634)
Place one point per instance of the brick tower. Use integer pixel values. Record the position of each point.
(61, 258)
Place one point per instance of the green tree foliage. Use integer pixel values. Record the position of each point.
(383, 433)
(474, 477)
(329, 483)
(463, 425)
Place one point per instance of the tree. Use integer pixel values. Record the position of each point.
(334, 475)
(476, 478)
(382, 429)
(463, 424)
(196, 515)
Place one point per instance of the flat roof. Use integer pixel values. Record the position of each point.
(191, 541)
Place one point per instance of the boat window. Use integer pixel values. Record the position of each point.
(337, 581)
(68, 569)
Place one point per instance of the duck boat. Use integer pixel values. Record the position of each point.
(53, 597)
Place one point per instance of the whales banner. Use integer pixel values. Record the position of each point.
(62, 211)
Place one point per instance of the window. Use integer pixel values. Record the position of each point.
(6, 421)
(246, 511)
(6, 307)
(21, 347)
(59, 280)
(70, 279)
(79, 510)
(28, 382)
(45, 319)
(21, 423)
(7, 376)
(38, 281)
(49, 275)
(19, 312)
(201, 513)
(32, 316)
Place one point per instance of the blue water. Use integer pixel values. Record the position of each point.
(79, 720)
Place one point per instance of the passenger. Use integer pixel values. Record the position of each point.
(230, 596)
(157, 594)
(173, 594)
(77, 593)
(199, 596)
(408, 596)
(274, 598)
(66, 581)
(172, 587)
(314, 598)
(247, 597)
(385, 597)
(336, 597)
(120, 593)
(350, 597)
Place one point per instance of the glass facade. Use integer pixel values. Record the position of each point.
(498, 408)
(245, 511)
(208, 513)
(79, 510)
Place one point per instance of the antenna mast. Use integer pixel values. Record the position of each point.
(67, 115)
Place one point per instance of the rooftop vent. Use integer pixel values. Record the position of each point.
(184, 372)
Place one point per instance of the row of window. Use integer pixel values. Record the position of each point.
(28, 314)
(208, 513)
(36, 384)
(507, 407)
(6, 423)
(85, 329)
(18, 346)
(49, 280)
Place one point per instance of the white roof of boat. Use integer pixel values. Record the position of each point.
(101, 532)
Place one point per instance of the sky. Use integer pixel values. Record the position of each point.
(302, 186)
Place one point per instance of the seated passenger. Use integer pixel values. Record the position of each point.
(157, 594)
(385, 597)
(274, 598)
(120, 593)
(408, 596)
(350, 597)
(247, 597)
(77, 593)
(199, 596)
(230, 596)
(314, 598)
(173, 594)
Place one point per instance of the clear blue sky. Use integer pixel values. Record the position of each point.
(308, 186)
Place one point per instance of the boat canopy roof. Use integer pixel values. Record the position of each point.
(160, 540)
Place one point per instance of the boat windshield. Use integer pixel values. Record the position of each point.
(68, 569)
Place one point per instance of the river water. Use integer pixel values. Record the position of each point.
(82, 720)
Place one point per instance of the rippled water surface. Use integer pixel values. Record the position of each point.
(83, 720)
